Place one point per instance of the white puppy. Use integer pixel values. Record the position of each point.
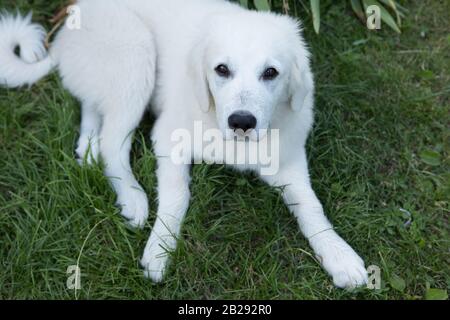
(197, 60)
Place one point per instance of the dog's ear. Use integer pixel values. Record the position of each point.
(302, 80)
(197, 74)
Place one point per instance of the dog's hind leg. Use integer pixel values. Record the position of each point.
(88, 148)
(109, 65)
(115, 144)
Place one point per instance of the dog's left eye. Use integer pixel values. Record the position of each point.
(270, 74)
(223, 71)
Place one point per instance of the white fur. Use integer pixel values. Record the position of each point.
(129, 52)
(33, 63)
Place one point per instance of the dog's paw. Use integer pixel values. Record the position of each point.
(155, 262)
(343, 264)
(134, 204)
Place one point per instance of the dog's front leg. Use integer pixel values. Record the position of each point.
(336, 256)
(173, 197)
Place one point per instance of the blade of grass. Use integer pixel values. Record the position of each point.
(244, 3)
(262, 5)
(357, 8)
(391, 4)
(315, 9)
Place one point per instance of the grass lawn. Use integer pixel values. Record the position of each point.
(380, 149)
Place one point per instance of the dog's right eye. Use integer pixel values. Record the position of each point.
(223, 71)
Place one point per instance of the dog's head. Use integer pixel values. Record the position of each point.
(246, 65)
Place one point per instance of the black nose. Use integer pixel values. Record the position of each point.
(242, 120)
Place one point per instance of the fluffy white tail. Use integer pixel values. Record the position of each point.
(33, 63)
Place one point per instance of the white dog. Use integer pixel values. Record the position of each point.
(198, 60)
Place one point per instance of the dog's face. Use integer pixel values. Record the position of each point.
(249, 67)
(247, 83)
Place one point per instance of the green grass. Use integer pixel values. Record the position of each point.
(382, 106)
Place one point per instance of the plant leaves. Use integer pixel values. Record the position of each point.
(393, 6)
(262, 5)
(315, 9)
(357, 8)
(385, 15)
(244, 3)
(397, 283)
(436, 294)
(431, 157)
(426, 74)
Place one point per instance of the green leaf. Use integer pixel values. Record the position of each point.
(357, 8)
(401, 9)
(426, 74)
(436, 294)
(336, 187)
(360, 42)
(262, 5)
(431, 157)
(397, 283)
(389, 3)
(385, 15)
(315, 9)
(393, 6)
(244, 3)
